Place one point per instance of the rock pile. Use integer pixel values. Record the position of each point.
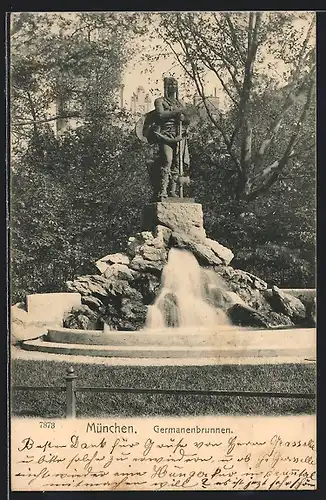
(128, 282)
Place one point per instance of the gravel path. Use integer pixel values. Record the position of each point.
(17, 353)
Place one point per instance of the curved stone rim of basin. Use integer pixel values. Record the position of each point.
(164, 337)
(190, 330)
(239, 343)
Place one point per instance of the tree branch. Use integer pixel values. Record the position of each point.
(253, 29)
(234, 37)
(218, 54)
(207, 61)
(45, 120)
(277, 166)
(290, 98)
(246, 153)
(194, 75)
(275, 125)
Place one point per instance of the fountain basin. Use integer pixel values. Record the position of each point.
(165, 337)
(225, 342)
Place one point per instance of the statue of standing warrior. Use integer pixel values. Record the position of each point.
(167, 126)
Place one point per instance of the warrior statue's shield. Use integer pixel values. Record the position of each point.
(144, 127)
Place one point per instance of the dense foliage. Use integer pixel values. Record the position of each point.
(75, 202)
(272, 236)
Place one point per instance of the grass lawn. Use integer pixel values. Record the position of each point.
(265, 378)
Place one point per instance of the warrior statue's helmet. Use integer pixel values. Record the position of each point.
(170, 81)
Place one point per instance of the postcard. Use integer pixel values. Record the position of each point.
(162, 250)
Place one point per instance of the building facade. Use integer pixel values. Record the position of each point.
(212, 103)
(141, 101)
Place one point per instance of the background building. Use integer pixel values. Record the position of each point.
(212, 103)
(141, 101)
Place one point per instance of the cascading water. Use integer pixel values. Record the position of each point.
(183, 300)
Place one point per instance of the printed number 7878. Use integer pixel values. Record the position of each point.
(47, 425)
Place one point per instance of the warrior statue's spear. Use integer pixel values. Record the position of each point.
(180, 159)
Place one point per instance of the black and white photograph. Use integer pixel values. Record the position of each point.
(162, 184)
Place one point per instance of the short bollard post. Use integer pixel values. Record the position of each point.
(70, 393)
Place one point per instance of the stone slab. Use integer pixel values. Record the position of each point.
(51, 306)
(181, 217)
(175, 200)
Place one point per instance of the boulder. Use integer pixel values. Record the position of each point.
(92, 302)
(114, 258)
(133, 315)
(118, 271)
(223, 253)
(89, 285)
(146, 238)
(257, 283)
(76, 286)
(138, 263)
(203, 253)
(243, 315)
(247, 286)
(170, 310)
(306, 295)
(133, 294)
(116, 287)
(234, 298)
(28, 326)
(148, 284)
(221, 298)
(287, 304)
(242, 278)
(279, 319)
(217, 297)
(163, 233)
(180, 217)
(152, 253)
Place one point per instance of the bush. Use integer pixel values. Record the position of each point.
(74, 200)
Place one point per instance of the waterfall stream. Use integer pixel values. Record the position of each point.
(187, 297)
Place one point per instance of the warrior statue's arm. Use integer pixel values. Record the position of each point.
(164, 113)
(166, 139)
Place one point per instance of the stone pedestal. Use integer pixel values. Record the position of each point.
(180, 216)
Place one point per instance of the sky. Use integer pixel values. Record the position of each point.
(136, 74)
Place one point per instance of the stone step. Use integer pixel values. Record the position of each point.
(223, 337)
(167, 351)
